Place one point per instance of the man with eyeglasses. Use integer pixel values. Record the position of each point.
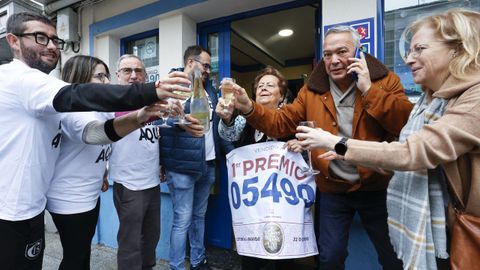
(134, 167)
(369, 106)
(30, 136)
(191, 160)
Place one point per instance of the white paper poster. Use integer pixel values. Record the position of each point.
(270, 199)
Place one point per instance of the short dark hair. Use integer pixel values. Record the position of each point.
(16, 22)
(193, 52)
(80, 68)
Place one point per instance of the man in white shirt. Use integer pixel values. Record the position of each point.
(134, 167)
(30, 135)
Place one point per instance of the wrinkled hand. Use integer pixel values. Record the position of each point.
(223, 111)
(241, 99)
(195, 128)
(294, 146)
(174, 81)
(360, 67)
(310, 138)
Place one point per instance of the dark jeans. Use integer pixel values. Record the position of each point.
(336, 215)
(76, 233)
(22, 243)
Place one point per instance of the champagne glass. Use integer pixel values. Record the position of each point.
(181, 117)
(310, 169)
(165, 114)
(227, 91)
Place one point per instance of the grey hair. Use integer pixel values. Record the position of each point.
(344, 29)
(125, 56)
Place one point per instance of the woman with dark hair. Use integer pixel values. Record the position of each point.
(85, 69)
(73, 196)
(270, 90)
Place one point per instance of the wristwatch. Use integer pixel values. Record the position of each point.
(341, 147)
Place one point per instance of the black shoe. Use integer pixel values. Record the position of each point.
(202, 266)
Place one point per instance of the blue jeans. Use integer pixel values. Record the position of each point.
(335, 217)
(189, 194)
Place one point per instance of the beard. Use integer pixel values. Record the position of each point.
(32, 58)
(205, 77)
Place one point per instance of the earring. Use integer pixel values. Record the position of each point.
(454, 54)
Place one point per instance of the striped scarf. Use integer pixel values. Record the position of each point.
(415, 203)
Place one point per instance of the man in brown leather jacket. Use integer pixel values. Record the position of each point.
(370, 106)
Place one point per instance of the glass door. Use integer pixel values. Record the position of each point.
(145, 46)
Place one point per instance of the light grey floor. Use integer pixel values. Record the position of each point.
(103, 258)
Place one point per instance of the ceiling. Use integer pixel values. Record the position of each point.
(255, 41)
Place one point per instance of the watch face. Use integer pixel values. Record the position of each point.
(341, 147)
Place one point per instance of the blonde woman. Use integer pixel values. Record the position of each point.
(439, 147)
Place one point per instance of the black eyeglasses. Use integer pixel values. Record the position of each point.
(128, 71)
(43, 39)
(205, 65)
(101, 76)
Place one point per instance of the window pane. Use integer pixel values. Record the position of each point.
(147, 50)
(213, 47)
(395, 44)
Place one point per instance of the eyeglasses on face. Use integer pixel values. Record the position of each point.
(43, 39)
(101, 76)
(417, 50)
(206, 66)
(128, 71)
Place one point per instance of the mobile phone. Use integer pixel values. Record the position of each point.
(175, 69)
(357, 55)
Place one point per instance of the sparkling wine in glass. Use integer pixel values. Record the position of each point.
(181, 117)
(164, 115)
(227, 91)
(310, 169)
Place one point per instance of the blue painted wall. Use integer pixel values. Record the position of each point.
(361, 252)
(108, 223)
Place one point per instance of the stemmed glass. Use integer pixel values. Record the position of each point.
(310, 169)
(165, 114)
(181, 117)
(227, 91)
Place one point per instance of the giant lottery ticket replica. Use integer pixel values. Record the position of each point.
(271, 199)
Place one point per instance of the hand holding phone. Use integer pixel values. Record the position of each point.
(357, 55)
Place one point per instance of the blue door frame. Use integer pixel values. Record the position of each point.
(218, 231)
